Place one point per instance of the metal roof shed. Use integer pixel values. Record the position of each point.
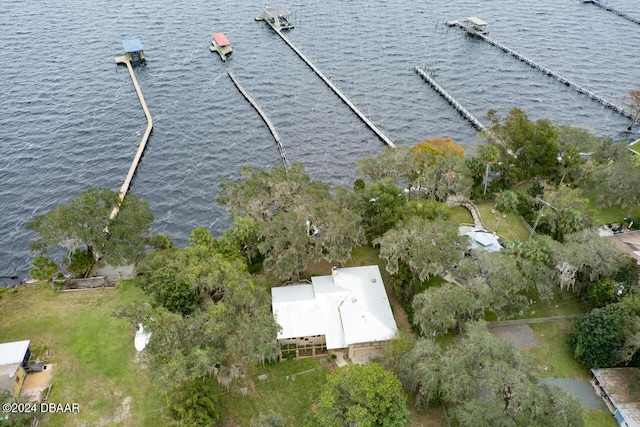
(13, 352)
(133, 45)
(477, 21)
(221, 39)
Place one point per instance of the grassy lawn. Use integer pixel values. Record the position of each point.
(460, 215)
(553, 359)
(280, 392)
(635, 146)
(92, 353)
(608, 214)
(563, 304)
(553, 356)
(596, 418)
(510, 228)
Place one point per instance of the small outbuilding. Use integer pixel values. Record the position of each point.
(278, 17)
(482, 239)
(13, 362)
(620, 390)
(133, 48)
(476, 25)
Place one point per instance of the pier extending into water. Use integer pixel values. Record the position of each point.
(264, 116)
(455, 104)
(126, 60)
(610, 9)
(545, 70)
(333, 87)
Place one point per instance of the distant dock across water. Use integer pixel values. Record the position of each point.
(610, 9)
(477, 27)
(133, 54)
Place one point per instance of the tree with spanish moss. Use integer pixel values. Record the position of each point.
(83, 226)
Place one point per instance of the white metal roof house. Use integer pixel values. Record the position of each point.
(13, 359)
(347, 310)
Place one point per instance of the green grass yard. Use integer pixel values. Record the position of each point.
(509, 228)
(91, 351)
(553, 359)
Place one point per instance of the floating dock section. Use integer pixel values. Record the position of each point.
(544, 69)
(127, 59)
(264, 116)
(455, 104)
(610, 9)
(337, 91)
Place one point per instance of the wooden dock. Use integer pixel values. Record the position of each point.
(126, 60)
(610, 9)
(264, 116)
(547, 71)
(337, 91)
(455, 104)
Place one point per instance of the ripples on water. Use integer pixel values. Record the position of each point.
(71, 118)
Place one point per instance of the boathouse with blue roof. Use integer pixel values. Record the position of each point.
(133, 48)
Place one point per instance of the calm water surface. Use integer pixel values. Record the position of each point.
(70, 118)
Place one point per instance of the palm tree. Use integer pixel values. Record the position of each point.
(489, 154)
(506, 202)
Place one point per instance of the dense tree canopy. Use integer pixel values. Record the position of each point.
(83, 223)
(427, 247)
(617, 183)
(485, 382)
(294, 218)
(528, 149)
(360, 395)
(207, 314)
(434, 169)
(585, 257)
(597, 338)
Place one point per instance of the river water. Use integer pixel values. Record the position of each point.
(70, 118)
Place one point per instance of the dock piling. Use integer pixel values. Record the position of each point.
(455, 104)
(337, 91)
(264, 116)
(547, 71)
(610, 9)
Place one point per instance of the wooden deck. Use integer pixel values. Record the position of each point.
(126, 60)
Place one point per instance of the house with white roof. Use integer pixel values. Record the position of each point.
(347, 310)
(13, 360)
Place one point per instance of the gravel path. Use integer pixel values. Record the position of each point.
(518, 335)
(581, 389)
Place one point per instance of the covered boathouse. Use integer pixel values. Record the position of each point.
(134, 50)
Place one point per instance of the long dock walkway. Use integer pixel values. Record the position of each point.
(547, 71)
(455, 104)
(264, 116)
(610, 9)
(126, 59)
(333, 87)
